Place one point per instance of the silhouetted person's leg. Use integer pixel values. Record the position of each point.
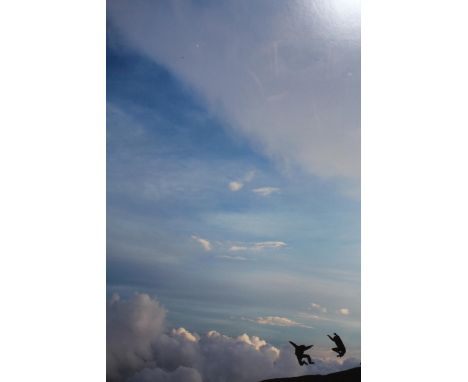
(308, 358)
(336, 350)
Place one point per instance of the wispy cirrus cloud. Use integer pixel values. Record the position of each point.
(338, 321)
(278, 321)
(206, 244)
(272, 84)
(258, 246)
(227, 257)
(235, 248)
(266, 191)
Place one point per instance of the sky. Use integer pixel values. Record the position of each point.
(233, 185)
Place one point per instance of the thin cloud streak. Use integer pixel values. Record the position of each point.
(258, 246)
(278, 321)
(266, 191)
(227, 257)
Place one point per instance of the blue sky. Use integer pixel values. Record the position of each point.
(233, 175)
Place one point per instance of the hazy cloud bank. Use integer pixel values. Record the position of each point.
(141, 348)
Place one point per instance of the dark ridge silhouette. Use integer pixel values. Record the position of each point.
(350, 375)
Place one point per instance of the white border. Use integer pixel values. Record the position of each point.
(52, 155)
(415, 190)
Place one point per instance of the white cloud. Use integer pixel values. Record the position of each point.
(285, 86)
(236, 248)
(318, 307)
(203, 242)
(235, 186)
(269, 244)
(265, 191)
(277, 321)
(238, 184)
(258, 246)
(344, 311)
(141, 349)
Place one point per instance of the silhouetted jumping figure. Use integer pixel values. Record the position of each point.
(340, 348)
(299, 351)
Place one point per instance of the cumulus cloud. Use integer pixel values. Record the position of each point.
(258, 246)
(140, 348)
(203, 242)
(344, 311)
(132, 327)
(265, 191)
(289, 85)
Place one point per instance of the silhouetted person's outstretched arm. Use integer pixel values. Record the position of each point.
(293, 344)
(308, 347)
(330, 337)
